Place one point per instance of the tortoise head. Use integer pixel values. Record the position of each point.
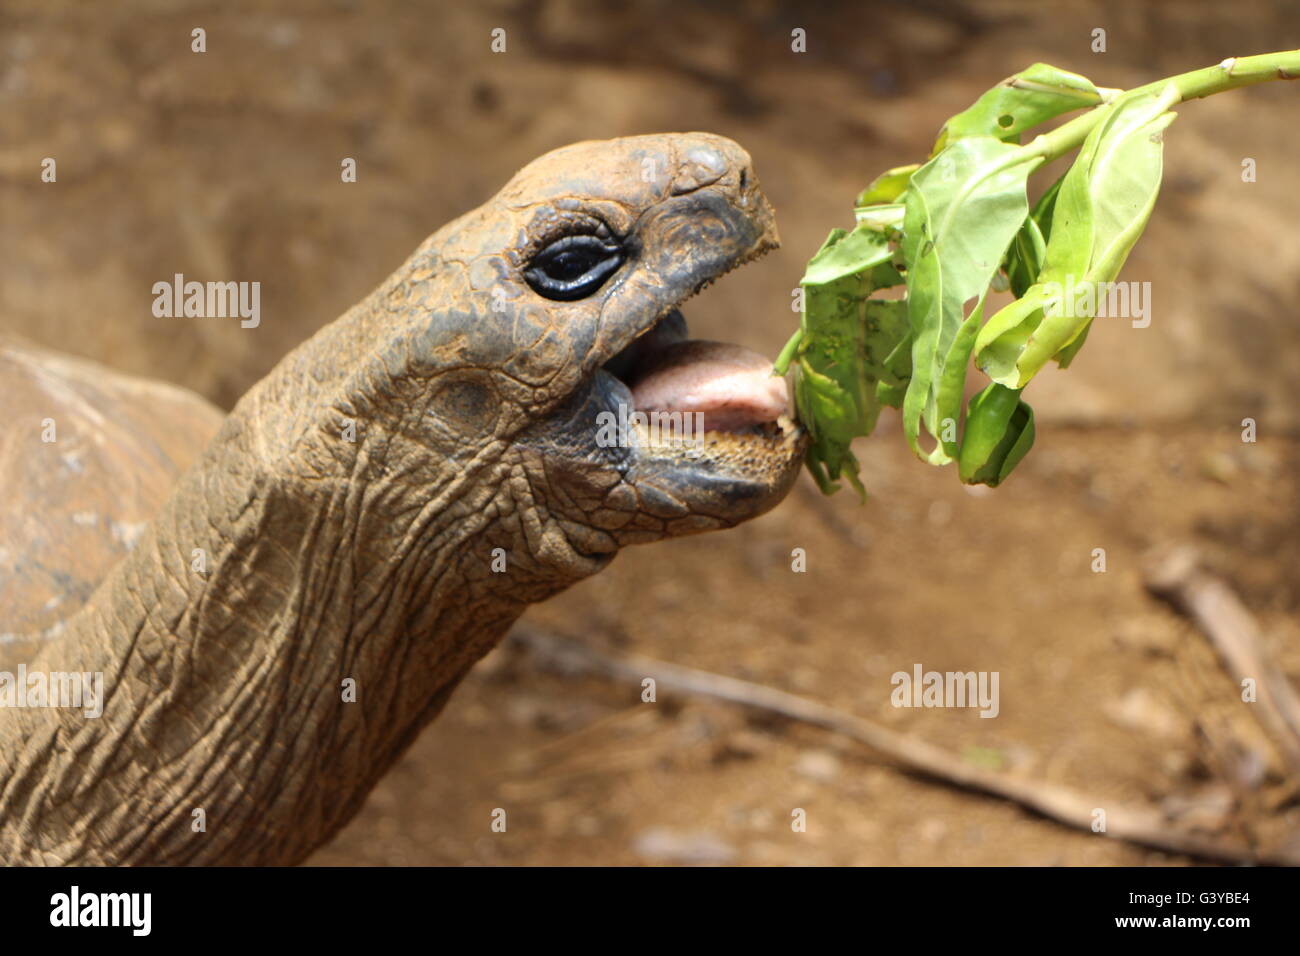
(534, 329)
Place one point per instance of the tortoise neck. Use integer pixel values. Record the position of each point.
(268, 651)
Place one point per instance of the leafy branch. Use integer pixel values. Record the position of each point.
(948, 231)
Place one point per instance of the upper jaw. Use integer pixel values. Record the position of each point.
(683, 245)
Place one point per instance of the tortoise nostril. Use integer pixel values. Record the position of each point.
(744, 178)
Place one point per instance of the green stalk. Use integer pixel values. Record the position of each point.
(1231, 74)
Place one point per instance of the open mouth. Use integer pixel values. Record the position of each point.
(717, 392)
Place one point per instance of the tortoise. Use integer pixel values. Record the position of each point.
(279, 599)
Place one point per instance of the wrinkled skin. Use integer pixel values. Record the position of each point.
(330, 561)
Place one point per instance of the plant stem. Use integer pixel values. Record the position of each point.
(1232, 73)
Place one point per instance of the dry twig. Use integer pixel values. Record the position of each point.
(1176, 576)
(1140, 825)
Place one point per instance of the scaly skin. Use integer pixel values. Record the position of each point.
(474, 400)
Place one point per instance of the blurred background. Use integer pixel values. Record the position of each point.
(226, 166)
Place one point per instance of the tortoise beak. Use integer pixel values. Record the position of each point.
(698, 434)
(732, 449)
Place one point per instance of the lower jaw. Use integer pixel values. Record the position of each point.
(720, 385)
(734, 475)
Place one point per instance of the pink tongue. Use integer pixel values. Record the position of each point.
(732, 386)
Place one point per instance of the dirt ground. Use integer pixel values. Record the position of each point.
(225, 165)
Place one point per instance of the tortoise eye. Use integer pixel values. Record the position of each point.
(573, 267)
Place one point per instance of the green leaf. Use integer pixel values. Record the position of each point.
(897, 372)
(999, 345)
(952, 382)
(1020, 102)
(1067, 354)
(963, 209)
(1025, 257)
(883, 218)
(999, 433)
(845, 254)
(843, 348)
(1045, 209)
(1100, 210)
(1119, 184)
(887, 187)
(1028, 253)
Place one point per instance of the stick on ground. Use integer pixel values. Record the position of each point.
(1139, 825)
(1176, 576)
